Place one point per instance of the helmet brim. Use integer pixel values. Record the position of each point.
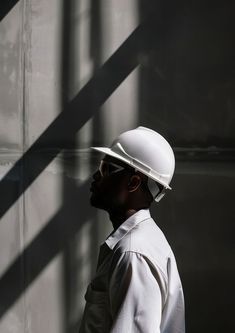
(108, 151)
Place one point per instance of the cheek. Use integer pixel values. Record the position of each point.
(114, 189)
(120, 190)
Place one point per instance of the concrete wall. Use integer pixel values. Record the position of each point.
(75, 74)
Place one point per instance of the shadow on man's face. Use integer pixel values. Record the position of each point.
(108, 192)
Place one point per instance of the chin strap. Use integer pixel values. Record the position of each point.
(155, 191)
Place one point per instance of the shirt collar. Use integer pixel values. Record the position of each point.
(126, 226)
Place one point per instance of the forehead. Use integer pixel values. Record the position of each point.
(115, 160)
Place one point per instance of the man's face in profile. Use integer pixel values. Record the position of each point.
(109, 188)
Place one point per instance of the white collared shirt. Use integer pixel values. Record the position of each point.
(137, 288)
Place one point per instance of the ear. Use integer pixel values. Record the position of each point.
(134, 183)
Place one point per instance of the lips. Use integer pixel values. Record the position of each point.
(93, 187)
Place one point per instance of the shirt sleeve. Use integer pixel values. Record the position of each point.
(135, 294)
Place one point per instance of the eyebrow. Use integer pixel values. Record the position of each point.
(118, 162)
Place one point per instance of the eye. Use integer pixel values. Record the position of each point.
(112, 168)
(107, 168)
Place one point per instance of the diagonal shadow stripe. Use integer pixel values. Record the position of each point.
(6, 6)
(62, 130)
(42, 249)
(45, 246)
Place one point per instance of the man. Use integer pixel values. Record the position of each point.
(137, 288)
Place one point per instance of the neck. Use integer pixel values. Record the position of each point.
(117, 218)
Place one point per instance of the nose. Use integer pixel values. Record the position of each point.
(96, 176)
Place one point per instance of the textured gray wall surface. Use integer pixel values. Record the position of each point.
(75, 74)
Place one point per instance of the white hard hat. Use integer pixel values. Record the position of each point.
(147, 151)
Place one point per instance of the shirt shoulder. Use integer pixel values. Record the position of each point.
(147, 239)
